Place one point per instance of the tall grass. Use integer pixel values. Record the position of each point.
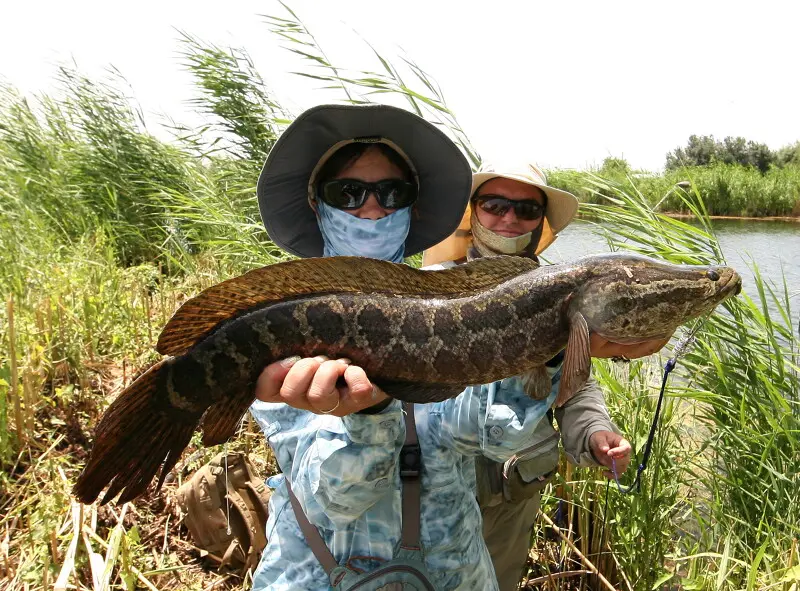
(105, 230)
(727, 189)
(625, 536)
(410, 83)
(84, 162)
(742, 384)
(244, 113)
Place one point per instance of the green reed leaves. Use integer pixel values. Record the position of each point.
(105, 229)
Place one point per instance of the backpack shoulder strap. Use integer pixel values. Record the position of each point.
(311, 534)
(410, 467)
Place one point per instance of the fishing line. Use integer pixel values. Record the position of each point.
(227, 491)
(648, 447)
(681, 348)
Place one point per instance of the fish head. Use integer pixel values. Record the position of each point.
(630, 299)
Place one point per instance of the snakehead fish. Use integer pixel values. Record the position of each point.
(421, 336)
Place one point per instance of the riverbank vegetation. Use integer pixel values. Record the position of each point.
(105, 230)
(727, 188)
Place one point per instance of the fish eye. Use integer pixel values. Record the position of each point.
(713, 275)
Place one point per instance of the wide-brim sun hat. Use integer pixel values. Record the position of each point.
(561, 209)
(441, 171)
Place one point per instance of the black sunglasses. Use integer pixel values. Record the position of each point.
(352, 193)
(526, 209)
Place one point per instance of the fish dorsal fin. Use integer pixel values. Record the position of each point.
(197, 317)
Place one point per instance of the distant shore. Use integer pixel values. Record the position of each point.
(686, 216)
(770, 218)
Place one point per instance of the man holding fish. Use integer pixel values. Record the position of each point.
(344, 470)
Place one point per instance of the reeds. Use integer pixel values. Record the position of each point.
(734, 454)
(727, 189)
(105, 230)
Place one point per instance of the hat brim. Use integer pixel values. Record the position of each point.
(561, 206)
(443, 172)
(561, 209)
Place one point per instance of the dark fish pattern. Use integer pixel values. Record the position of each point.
(422, 336)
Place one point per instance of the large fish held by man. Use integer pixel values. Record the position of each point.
(421, 336)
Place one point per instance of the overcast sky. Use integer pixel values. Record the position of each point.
(562, 83)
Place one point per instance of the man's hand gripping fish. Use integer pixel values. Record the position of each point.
(421, 336)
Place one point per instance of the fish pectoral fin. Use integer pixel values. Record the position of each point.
(223, 417)
(419, 392)
(537, 383)
(577, 359)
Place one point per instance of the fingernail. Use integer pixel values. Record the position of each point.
(322, 358)
(344, 361)
(289, 361)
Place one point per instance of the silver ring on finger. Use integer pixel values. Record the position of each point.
(327, 412)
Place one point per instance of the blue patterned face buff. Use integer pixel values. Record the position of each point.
(347, 235)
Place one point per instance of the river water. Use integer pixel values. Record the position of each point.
(773, 245)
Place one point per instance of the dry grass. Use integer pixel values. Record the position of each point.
(47, 538)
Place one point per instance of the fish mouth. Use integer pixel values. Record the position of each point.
(729, 283)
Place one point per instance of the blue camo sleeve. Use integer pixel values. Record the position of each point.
(333, 458)
(495, 420)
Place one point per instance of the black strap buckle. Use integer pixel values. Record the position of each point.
(410, 461)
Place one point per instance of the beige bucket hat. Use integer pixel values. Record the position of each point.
(561, 209)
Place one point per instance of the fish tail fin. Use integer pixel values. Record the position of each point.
(133, 440)
(222, 418)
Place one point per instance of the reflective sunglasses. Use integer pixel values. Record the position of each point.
(352, 193)
(527, 209)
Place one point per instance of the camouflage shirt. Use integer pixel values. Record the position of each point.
(345, 473)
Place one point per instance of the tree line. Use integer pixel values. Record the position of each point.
(703, 150)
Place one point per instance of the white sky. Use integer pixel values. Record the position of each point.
(560, 82)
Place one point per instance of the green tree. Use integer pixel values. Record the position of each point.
(700, 151)
(788, 155)
(704, 150)
(738, 150)
(761, 157)
(615, 167)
